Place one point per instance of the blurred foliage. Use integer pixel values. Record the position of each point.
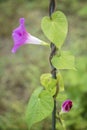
(20, 73)
(76, 88)
(83, 12)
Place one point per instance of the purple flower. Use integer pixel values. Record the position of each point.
(66, 106)
(21, 36)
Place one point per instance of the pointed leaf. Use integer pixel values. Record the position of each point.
(64, 61)
(56, 28)
(39, 107)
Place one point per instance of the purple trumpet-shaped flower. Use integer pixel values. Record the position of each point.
(66, 106)
(21, 36)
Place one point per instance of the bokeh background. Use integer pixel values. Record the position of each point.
(20, 72)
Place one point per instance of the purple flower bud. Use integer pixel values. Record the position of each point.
(21, 36)
(66, 106)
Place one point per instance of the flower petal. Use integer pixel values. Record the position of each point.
(21, 36)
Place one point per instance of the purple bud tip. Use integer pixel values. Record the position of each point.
(22, 20)
(66, 106)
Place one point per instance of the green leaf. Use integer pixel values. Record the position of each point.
(64, 61)
(60, 81)
(56, 28)
(49, 83)
(39, 107)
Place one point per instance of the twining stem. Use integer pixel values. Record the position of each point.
(53, 71)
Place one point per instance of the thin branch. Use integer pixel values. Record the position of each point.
(54, 70)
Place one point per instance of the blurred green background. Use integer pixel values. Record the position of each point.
(20, 72)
